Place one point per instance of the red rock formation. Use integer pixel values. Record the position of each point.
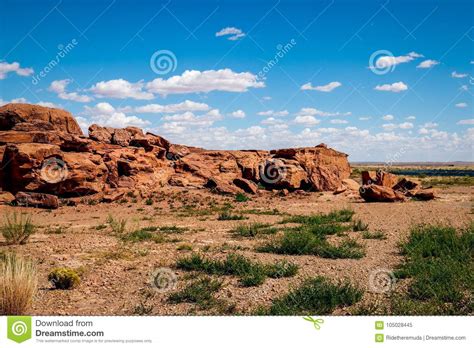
(43, 151)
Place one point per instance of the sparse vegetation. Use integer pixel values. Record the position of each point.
(449, 181)
(309, 238)
(227, 215)
(240, 197)
(250, 273)
(315, 295)
(64, 278)
(200, 291)
(17, 229)
(18, 284)
(143, 234)
(438, 264)
(149, 201)
(253, 229)
(373, 235)
(119, 227)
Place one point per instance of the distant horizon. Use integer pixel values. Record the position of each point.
(381, 81)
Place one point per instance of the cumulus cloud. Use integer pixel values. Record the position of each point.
(469, 122)
(306, 120)
(456, 75)
(187, 105)
(13, 101)
(426, 64)
(121, 89)
(410, 118)
(364, 118)
(238, 114)
(105, 114)
(338, 121)
(194, 81)
(273, 113)
(325, 88)
(14, 67)
(232, 33)
(388, 117)
(394, 87)
(316, 112)
(461, 105)
(59, 87)
(388, 60)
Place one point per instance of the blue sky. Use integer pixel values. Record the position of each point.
(379, 80)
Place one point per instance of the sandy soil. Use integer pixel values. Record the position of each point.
(117, 276)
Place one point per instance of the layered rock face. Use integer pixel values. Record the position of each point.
(43, 151)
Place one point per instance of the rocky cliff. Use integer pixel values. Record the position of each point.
(44, 152)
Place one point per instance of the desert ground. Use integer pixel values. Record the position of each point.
(117, 274)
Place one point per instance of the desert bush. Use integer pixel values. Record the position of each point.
(64, 278)
(119, 226)
(240, 197)
(141, 235)
(149, 201)
(17, 228)
(359, 226)
(315, 295)
(18, 284)
(253, 229)
(343, 215)
(227, 215)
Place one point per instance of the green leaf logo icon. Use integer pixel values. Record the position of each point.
(19, 328)
(316, 322)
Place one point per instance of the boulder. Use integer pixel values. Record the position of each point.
(425, 194)
(405, 185)
(378, 193)
(379, 177)
(6, 197)
(37, 200)
(351, 184)
(100, 134)
(15, 113)
(246, 185)
(222, 187)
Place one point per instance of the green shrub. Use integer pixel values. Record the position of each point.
(252, 229)
(373, 235)
(143, 235)
(149, 201)
(315, 295)
(17, 229)
(250, 273)
(343, 215)
(119, 226)
(64, 278)
(240, 197)
(200, 292)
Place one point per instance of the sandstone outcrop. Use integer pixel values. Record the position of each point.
(44, 154)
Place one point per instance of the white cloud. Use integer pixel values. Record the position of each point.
(13, 101)
(325, 88)
(121, 89)
(410, 118)
(426, 64)
(194, 81)
(316, 112)
(389, 126)
(469, 122)
(48, 104)
(59, 87)
(461, 105)
(430, 125)
(271, 121)
(105, 114)
(388, 117)
(338, 121)
(6, 68)
(405, 125)
(456, 75)
(232, 33)
(188, 118)
(238, 114)
(464, 88)
(306, 120)
(187, 105)
(394, 87)
(365, 118)
(273, 113)
(388, 61)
